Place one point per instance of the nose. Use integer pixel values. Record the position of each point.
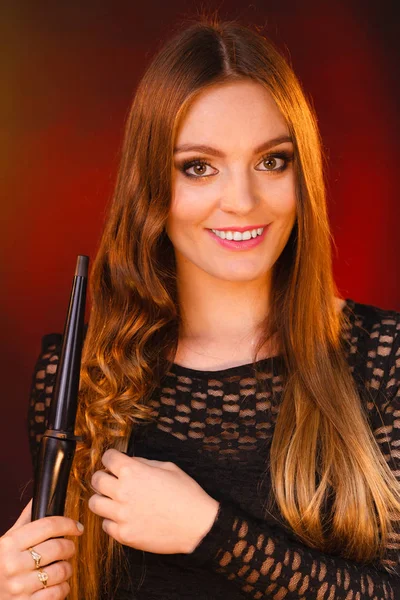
(239, 196)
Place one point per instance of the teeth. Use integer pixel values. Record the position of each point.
(237, 235)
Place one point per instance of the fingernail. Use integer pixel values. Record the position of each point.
(80, 526)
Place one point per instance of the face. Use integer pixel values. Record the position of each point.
(242, 186)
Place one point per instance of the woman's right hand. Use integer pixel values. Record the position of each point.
(18, 574)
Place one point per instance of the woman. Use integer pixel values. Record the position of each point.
(257, 408)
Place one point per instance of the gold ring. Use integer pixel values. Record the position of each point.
(36, 557)
(43, 577)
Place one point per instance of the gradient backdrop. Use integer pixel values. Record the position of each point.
(69, 73)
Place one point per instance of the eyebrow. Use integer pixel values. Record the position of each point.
(215, 152)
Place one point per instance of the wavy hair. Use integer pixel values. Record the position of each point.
(135, 318)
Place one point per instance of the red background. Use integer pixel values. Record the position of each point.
(70, 70)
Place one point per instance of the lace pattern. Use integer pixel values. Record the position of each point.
(218, 426)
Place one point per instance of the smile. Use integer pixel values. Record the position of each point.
(238, 236)
(232, 239)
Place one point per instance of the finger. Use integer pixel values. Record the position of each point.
(49, 551)
(43, 529)
(24, 518)
(104, 483)
(114, 461)
(59, 591)
(103, 507)
(57, 573)
(111, 528)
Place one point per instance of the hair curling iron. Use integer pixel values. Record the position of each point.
(57, 446)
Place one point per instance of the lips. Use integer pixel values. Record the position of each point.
(239, 246)
(240, 229)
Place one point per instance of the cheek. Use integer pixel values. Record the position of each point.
(282, 203)
(190, 205)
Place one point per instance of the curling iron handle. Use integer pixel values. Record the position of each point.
(53, 467)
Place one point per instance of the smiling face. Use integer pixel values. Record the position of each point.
(245, 183)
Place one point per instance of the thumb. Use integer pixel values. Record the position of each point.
(24, 518)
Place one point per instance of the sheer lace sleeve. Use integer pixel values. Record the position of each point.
(267, 562)
(43, 380)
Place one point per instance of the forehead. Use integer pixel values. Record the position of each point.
(232, 113)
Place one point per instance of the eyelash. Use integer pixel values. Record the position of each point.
(286, 156)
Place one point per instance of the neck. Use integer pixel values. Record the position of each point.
(218, 312)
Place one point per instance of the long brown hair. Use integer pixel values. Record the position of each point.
(134, 322)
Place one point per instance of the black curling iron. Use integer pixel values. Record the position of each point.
(57, 446)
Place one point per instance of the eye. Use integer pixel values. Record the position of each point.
(282, 159)
(200, 167)
(276, 162)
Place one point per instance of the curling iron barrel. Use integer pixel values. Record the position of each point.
(57, 446)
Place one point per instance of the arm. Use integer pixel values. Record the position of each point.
(265, 561)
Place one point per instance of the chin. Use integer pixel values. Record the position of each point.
(239, 276)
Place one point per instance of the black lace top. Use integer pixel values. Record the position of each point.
(217, 426)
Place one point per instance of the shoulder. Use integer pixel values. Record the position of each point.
(51, 343)
(48, 357)
(43, 377)
(50, 351)
(42, 387)
(373, 338)
(373, 331)
(374, 318)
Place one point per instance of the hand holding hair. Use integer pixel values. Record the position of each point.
(151, 505)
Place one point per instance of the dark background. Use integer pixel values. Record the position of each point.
(69, 73)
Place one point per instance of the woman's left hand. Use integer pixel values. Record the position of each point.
(151, 505)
